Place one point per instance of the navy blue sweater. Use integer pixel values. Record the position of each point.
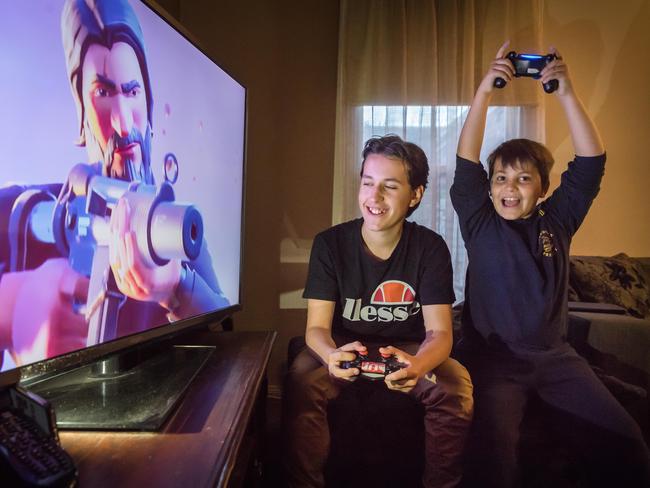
(517, 279)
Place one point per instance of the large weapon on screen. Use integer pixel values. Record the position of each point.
(78, 223)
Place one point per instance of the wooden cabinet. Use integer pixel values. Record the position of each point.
(213, 436)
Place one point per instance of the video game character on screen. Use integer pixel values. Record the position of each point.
(121, 255)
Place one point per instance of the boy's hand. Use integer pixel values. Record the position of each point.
(345, 353)
(557, 70)
(406, 378)
(501, 67)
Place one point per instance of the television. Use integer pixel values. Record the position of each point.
(121, 205)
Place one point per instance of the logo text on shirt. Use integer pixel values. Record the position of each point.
(395, 301)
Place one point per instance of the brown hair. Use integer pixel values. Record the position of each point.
(413, 157)
(523, 151)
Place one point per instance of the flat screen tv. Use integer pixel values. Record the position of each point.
(121, 196)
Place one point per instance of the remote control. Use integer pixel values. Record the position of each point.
(29, 457)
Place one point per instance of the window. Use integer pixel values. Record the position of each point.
(436, 130)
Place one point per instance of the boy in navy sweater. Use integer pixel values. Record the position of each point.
(515, 312)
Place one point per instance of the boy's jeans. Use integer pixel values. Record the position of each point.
(446, 398)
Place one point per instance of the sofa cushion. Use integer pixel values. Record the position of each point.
(573, 294)
(621, 336)
(619, 279)
(645, 269)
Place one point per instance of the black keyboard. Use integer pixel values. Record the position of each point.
(31, 458)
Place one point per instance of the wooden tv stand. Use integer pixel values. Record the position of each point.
(213, 438)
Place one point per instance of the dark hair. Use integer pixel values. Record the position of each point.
(523, 151)
(413, 157)
(103, 22)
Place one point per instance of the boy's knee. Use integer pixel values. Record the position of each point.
(452, 388)
(304, 370)
(307, 382)
(457, 384)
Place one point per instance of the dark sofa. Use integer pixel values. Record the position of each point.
(607, 327)
(609, 324)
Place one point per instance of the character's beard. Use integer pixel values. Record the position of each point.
(130, 172)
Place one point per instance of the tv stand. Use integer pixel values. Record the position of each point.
(132, 390)
(214, 437)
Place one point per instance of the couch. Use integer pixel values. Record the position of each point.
(609, 324)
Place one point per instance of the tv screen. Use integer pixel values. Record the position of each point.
(121, 180)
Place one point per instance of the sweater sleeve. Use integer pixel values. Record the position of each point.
(470, 195)
(579, 186)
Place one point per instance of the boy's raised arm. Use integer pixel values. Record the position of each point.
(584, 134)
(471, 136)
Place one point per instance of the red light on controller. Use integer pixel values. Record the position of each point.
(373, 367)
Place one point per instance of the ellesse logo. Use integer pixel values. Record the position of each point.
(395, 300)
(393, 292)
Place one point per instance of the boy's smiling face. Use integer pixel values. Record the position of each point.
(385, 194)
(515, 189)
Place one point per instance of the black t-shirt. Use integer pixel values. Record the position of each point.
(516, 290)
(377, 299)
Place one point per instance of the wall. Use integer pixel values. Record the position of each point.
(285, 53)
(606, 44)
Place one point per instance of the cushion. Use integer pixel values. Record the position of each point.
(573, 294)
(619, 279)
(645, 269)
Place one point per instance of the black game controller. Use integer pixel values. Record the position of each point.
(529, 65)
(374, 370)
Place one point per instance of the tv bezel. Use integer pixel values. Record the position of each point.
(74, 359)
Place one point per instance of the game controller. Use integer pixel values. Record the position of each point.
(529, 65)
(374, 370)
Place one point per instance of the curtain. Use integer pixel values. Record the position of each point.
(411, 67)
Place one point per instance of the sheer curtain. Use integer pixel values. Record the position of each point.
(411, 68)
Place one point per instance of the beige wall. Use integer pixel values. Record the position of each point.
(284, 52)
(607, 44)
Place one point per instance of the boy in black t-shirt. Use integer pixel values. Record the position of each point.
(515, 312)
(375, 281)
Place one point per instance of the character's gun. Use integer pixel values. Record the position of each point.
(78, 224)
